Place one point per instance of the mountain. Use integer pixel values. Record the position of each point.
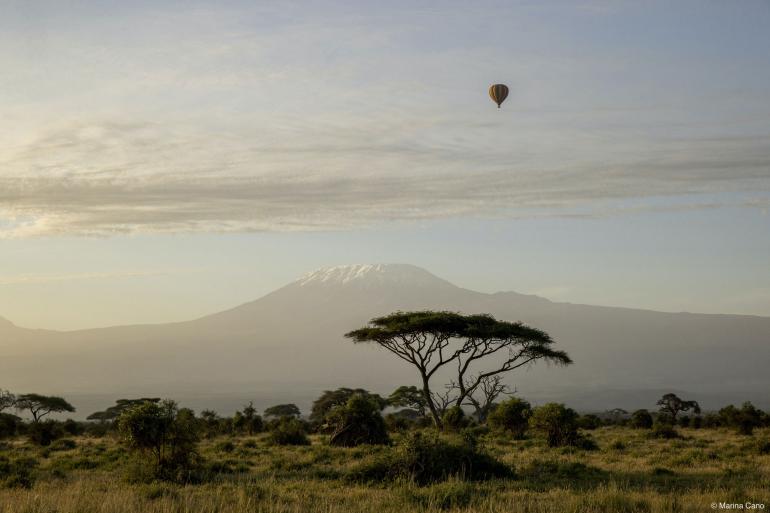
(289, 345)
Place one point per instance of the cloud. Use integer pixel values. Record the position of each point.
(287, 118)
(119, 178)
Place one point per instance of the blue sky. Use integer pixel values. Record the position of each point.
(162, 160)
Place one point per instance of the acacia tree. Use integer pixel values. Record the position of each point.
(283, 410)
(121, 405)
(408, 397)
(671, 406)
(431, 341)
(483, 397)
(331, 398)
(41, 405)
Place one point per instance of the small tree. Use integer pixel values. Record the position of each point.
(331, 398)
(743, 419)
(283, 410)
(557, 423)
(41, 405)
(671, 406)
(454, 418)
(288, 431)
(431, 341)
(357, 422)
(641, 419)
(408, 397)
(251, 421)
(166, 433)
(121, 405)
(511, 417)
(484, 395)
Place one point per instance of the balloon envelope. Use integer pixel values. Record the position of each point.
(498, 93)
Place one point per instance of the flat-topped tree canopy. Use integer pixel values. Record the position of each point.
(430, 340)
(41, 405)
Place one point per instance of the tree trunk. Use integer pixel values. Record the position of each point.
(431, 406)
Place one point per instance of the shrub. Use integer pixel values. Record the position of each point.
(331, 398)
(168, 434)
(17, 473)
(511, 417)
(429, 459)
(557, 423)
(65, 444)
(225, 446)
(589, 422)
(44, 432)
(357, 422)
(288, 431)
(641, 419)
(547, 473)
(72, 428)
(8, 425)
(452, 494)
(454, 418)
(664, 430)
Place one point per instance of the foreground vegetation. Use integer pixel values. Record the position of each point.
(426, 454)
(629, 472)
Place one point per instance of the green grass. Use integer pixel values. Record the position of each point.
(630, 472)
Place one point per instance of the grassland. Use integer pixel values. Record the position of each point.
(628, 473)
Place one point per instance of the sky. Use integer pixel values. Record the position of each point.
(164, 160)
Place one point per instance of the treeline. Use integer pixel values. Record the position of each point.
(403, 410)
(164, 437)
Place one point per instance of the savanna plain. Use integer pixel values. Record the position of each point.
(628, 470)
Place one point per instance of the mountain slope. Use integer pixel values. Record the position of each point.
(290, 342)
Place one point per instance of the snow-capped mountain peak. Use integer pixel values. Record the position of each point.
(371, 274)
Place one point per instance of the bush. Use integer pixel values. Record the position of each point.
(225, 446)
(454, 419)
(44, 432)
(641, 419)
(589, 422)
(511, 417)
(17, 473)
(72, 428)
(8, 425)
(357, 422)
(557, 423)
(331, 398)
(65, 444)
(453, 494)
(166, 433)
(545, 473)
(429, 459)
(664, 430)
(288, 431)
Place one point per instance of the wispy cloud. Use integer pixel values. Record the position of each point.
(123, 178)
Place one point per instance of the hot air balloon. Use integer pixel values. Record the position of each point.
(498, 93)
